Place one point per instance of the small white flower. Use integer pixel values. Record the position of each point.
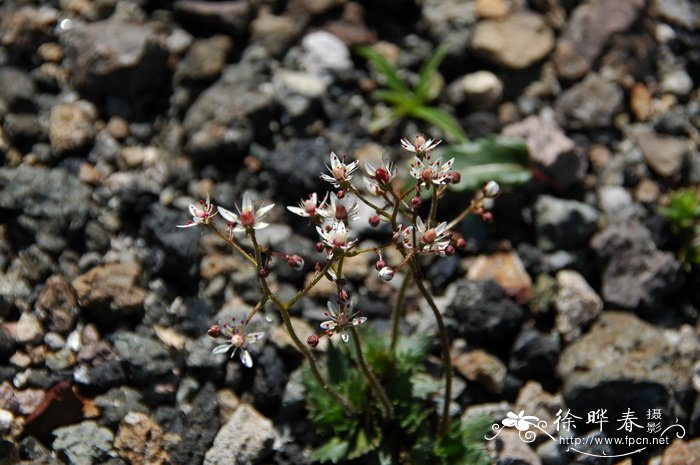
(237, 339)
(338, 209)
(248, 217)
(308, 208)
(381, 175)
(342, 318)
(421, 145)
(337, 236)
(432, 239)
(428, 171)
(341, 173)
(403, 235)
(373, 188)
(201, 214)
(491, 189)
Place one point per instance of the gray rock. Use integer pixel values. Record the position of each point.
(576, 303)
(199, 356)
(36, 454)
(71, 126)
(113, 57)
(223, 118)
(325, 54)
(86, 443)
(14, 293)
(246, 438)
(563, 223)
(590, 104)
(297, 91)
(484, 314)
(624, 362)
(588, 30)
(117, 402)
(50, 203)
(682, 13)
(16, 89)
(517, 41)
(663, 154)
(482, 368)
(636, 274)
(448, 21)
(480, 90)
(146, 359)
(24, 129)
(275, 33)
(226, 16)
(616, 203)
(299, 179)
(677, 82)
(534, 355)
(551, 150)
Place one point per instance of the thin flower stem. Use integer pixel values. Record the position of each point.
(396, 317)
(364, 199)
(445, 343)
(433, 208)
(284, 312)
(387, 409)
(290, 303)
(233, 244)
(461, 216)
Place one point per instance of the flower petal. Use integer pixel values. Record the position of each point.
(227, 215)
(252, 337)
(221, 349)
(359, 320)
(246, 358)
(263, 210)
(329, 324)
(186, 225)
(345, 337)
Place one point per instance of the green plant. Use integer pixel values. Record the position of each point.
(505, 160)
(408, 436)
(683, 213)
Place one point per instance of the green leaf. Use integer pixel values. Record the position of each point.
(385, 68)
(444, 121)
(502, 159)
(364, 443)
(390, 96)
(332, 451)
(426, 73)
(424, 386)
(337, 364)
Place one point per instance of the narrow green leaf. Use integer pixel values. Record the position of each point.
(426, 72)
(444, 121)
(385, 68)
(332, 451)
(390, 96)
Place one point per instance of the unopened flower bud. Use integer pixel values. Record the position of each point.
(379, 265)
(319, 247)
(487, 217)
(416, 201)
(264, 273)
(455, 177)
(214, 331)
(312, 340)
(374, 221)
(344, 295)
(461, 243)
(382, 175)
(449, 250)
(295, 262)
(386, 273)
(341, 213)
(340, 194)
(491, 189)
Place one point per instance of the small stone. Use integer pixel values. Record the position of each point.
(511, 449)
(140, 440)
(682, 13)
(71, 126)
(29, 329)
(577, 304)
(616, 203)
(507, 270)
(6, 419)
(118, 127)
(480, 90)
(205, 60)
(482, 368)
(228, 403)
(534, 400)
(111, 292)
(325, 54)
(59, 301)
(641, 102)
(51, 52)
(17, 88)
(85, 443)
(246, 438)
(647, 191)
(563, 223)
(589, 104)
(274, 33)
(517, 41)
(664, 154)
(492, 9)
(588, 30)
(117, 403)
(146, 359)
(678, 453)
(551, 150)
(225, 16)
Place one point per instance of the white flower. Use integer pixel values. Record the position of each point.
(338, 209)
(342, 318)
(491, 189)
(430, 239)
(248, 217)
(341, 173)
(381, 175)
(386, 273)
(373, 188)
(403, 235)
(421, 145)
(308, 208)
(237, 339)
(337, 236)
(431, 171)
(200, 214)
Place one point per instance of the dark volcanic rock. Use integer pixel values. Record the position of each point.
(484, 314)
(113, 57)
(297, 179)
(534, 355)
(563, 223)
(50, 204)
(16, 89)
(590, 104)
(85, 443)
(146, 359)
(117, 402)
(226, 16)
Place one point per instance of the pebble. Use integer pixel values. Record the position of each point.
(246, 438)
(563, 224)
(511, 449)
(482, 368)
(507, 270)
(587, 32)
(664, 154)
(577, 304)
(325, 54)
(72, 126)
(139, 440)
(275, 33)
(492, 9)
(616, 203)
(559, 158)
(85, 443)
(517, 41)
(589, 104)
(145, 358)
(480, 90)
(205, 59)
(29, 329)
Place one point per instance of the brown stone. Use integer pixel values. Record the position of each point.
(679, 453)
(507, 270)
(482, 368)
(641, 103)
(140, 440)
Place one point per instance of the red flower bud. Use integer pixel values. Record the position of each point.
(374, 221)
(295, 262)
(340, 194)
(264, 273)
(312, 340)
(379, 265)
(214, 331)
(382, 175)
(319, 246)
(461, 243)
(416, 201)
(449, 250)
